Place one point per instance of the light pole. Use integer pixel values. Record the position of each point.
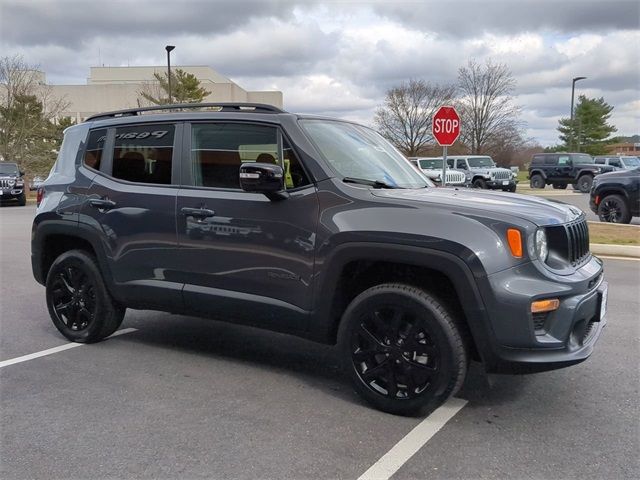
(168, 48)
(573, 90)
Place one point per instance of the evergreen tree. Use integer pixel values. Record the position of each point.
(185, 88)
(590, 131)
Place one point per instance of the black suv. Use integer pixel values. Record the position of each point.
(615, 196)
(318, 228)
(12, 183)
(562, 169)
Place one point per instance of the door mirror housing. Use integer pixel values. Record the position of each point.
(266, 178)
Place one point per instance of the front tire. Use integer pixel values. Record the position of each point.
(536, 181)
(402, 349)
(79, 303)
(479, 183)
(614, 209)
(584, 183)
(22, 199)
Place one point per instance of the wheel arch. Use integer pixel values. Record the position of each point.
(354, 267)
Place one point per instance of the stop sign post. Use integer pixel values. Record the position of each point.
(445, 127)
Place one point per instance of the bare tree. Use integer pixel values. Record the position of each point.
(405, 117)
(28, 111)
(485, 101)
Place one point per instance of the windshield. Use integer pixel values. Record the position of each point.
(359, 152)
(481, 162)
(431, 164)
(8, 169)
(631, 161)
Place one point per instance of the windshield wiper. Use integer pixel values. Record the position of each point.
(371, 183)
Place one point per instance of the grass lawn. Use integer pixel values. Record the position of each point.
(522, 176)
(614, 234)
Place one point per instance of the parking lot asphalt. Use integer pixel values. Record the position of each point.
(182, 397)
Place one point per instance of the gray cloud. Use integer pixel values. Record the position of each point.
(466, 18)
(72, 22)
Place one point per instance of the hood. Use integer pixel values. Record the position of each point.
(618, 174)
(527, 207)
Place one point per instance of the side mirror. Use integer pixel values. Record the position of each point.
(265, 178)
(21, 173)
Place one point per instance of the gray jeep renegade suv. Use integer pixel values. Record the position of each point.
(318, 228)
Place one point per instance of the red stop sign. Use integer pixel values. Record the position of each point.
(445, 126)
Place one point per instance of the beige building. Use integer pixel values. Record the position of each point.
(115, 88)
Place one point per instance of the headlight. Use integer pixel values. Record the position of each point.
(540, 244)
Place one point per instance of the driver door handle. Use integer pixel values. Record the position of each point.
(102, 203)
(197, 212)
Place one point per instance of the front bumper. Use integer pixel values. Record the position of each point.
(501, 184)
(524, 343)
(11, 193)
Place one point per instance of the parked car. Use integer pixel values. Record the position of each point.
(618, 162)
(12, 183)
(432, 168)
(562, 169)
(615, 197)
(484, 172)
(333, 237)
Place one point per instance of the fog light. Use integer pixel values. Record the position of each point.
(548, 305)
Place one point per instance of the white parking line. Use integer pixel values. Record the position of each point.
(61, 348)
(406, 448)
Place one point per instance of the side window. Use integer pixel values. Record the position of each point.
(600, 161)
(450, 162)
(95, 145)
(537, 160)
(218, 150)
(552, 159)
(564, 160)
(294, 175)
(142, 153)
(615, 162)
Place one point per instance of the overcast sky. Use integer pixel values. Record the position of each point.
(338, 58)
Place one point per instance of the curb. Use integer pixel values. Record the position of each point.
(630, 251)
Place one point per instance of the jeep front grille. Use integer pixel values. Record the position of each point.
(570, 241)
(6, 183)
(502, 175)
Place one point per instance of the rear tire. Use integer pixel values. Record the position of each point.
(536, 181)
(79, 303)
(584, 183)
(402, 349)
(614, 209)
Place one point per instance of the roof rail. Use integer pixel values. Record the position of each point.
(220, 107)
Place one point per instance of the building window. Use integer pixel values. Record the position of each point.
(142, 153)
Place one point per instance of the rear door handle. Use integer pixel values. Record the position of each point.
(102, 203)
(197, 212)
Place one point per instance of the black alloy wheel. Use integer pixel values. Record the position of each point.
(79, 303)
(73, 298)
(613, 209)
(394, 353)
(401, 348)
(479, 183)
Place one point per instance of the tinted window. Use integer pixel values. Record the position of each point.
(450, 162)
(218, 150)
(142, 153)
(582, 158)
(601, 161)
(431, 163)
(537, 160)
(95, 145)
(615, 162)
